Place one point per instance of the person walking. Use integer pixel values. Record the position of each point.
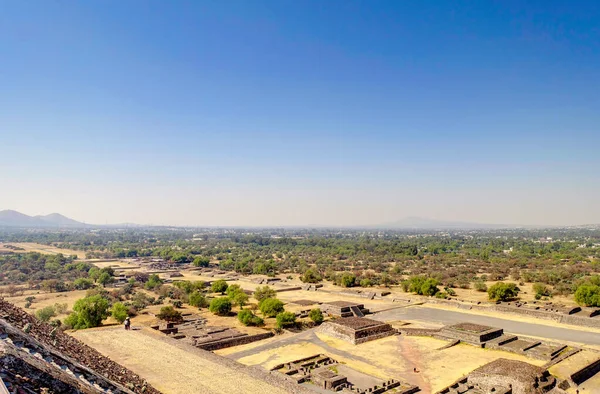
(127, 323)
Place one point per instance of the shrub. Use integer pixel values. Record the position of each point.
(201, 261)
(153, 282)
(105, 278)
(480, 286)
(60, 308)
(177, 303)
(450, 291)
(541, 290)
(219, 286)
(348, 280)
(247, 318)
(168, 313)
(45, 314)
(503, 291)
(88, 312)
(264, 292)
(198, 300)
(83, 283)
(588, 295)
(366, 283)
(239, 297)
(232, 289)
(270, 307)
(316, 315)
(422, 285)
(311, 275)
(285, 319)
(220, 306)
(119, 312)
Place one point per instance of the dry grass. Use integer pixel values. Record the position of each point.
(47, 299)
(43, 249)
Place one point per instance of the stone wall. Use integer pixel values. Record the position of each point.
(586, 372)
(229, 342)
(419, 332)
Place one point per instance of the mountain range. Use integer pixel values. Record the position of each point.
(10, 218)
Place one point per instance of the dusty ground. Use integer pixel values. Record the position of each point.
(169, 368)
(46, 299)
(44, 249)
(114, 264)
(392, 357)
(572, 364)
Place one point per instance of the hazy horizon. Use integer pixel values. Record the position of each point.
(270, 113)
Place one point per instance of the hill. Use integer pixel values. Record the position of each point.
(10, 218)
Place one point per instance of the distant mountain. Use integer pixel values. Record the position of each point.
(9, 218)
(431, 224)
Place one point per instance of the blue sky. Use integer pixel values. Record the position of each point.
(301, 112)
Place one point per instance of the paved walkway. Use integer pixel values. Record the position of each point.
(511, 326)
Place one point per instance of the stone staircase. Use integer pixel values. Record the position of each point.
(41, 365)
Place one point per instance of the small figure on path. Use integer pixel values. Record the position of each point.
(127, 324)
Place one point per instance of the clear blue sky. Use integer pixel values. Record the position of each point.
(301, 112)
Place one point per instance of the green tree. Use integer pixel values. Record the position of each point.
(238, 297)
(219, 286)
(366, 282)
(270, 307)
(198, 300)
(316, 315)
(168, 313)
(45, 314)
(88, 312)
(311, 275)
(247, 318)
(348, 279)
(264, 292)
(83, 283)
(105, 279)
(153, 282)
(285, 319)
(119, 312)
(588, 295)
(94, 273)
(503, 291)
(201, 261)
(220, 306)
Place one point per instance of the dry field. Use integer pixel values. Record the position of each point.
(171, 369)
(47, 299)
(44, 249)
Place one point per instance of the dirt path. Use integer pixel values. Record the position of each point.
(413, 360)
(173, 369)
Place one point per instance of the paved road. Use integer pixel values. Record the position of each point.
(510, 326)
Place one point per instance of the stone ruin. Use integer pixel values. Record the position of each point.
(495, 338)
(504, 376)
(194, 331)
(37, 358)
(344, 309)
(475, 334)
(357, 330)
(322, 371)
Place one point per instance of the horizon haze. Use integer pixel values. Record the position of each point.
(278, 113)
